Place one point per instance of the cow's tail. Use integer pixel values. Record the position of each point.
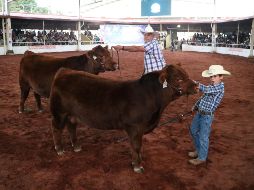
(58, 118)
(55, 105)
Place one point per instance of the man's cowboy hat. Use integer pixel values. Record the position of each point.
(148, 29)
(215, 70)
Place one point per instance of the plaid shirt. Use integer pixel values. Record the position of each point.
(153, 57)
(211, 98)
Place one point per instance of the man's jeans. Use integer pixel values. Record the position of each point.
(200, 132)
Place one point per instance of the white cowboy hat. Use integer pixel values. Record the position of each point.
(215, 70)
(148, 29)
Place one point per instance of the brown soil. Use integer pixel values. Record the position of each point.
(28, 159)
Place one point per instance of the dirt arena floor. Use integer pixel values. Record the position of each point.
(28, 160)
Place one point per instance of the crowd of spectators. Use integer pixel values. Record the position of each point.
(88, 38)
(49, 37)
(40, 37)
(222, 39)
(56, 37)
(1, 38)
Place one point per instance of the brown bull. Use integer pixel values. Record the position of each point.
(37, 71)
(134, 106)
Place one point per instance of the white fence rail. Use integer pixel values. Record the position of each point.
(222, 50)
(65, 48)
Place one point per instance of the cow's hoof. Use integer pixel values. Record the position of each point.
(138, 169)
(26, 110)
(59, 152)
(40, 110)
(77, 148)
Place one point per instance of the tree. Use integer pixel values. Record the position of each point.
(1, 4)
(29, 6)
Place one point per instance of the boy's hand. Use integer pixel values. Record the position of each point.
(197, 83)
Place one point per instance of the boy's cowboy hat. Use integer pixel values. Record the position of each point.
(215, 70)
(148, 29)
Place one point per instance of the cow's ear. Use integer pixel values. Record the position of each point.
(166, 73)
(90, 53)
(162, 77)
(106, 47)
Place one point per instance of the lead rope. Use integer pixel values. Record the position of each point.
(188, 123)
(179, 117)
(118, 62)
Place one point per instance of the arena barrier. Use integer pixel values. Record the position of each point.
(2, 51)
(48, 48)
(65, 48)
(221, 50)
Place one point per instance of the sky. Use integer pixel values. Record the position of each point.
(68, 7)
(132, 8)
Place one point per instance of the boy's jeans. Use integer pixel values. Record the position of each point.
(200, 132)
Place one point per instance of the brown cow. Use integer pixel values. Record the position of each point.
(37, 71)
(134, 106)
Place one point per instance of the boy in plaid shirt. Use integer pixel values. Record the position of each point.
(205, 107)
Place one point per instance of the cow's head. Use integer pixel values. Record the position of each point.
(95, 64)
(176, 78)
(103, 55)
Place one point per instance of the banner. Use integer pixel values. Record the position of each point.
(155, 7)
(122, 34)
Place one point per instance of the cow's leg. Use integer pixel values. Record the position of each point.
(24, 92)
(57, 137)
(71, 126)
(136, 143)
(38, 101)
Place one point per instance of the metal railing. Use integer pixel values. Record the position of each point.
(22, 43)
(245, 46)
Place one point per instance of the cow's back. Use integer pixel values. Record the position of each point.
(38, 71)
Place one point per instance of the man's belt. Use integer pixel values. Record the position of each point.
(202, 112)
